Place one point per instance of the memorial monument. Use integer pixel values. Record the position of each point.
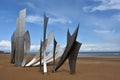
(20, 47)
(20, 41)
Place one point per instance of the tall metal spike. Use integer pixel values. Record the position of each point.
(54, 48)
(68, 36)
(26, 47)
(20, 38)
(13, 46)
(41, 43)
(45, 26)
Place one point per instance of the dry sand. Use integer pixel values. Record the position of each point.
(87, 68)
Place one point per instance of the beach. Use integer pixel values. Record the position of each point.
(87, 68)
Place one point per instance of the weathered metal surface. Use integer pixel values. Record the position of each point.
(54, 48)
(73, 56)
(68, 36)
(13, 47)
(67, 50)
(20, 38)
(49, 57)
(41, 43)
(26, 47)
(37, 56)
(73, 53)
(45, 26)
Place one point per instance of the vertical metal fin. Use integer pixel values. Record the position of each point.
(54, 49)
(73, 56)
(45, 26)
(20, 31)
(26, 47)
(41, 43)
(13, 44)
(68, 36)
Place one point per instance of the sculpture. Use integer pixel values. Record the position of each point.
(20, 42)
(54, 48)
(71, 45)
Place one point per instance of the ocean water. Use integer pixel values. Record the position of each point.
(99, 54)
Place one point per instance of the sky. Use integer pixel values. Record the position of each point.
(99, 22)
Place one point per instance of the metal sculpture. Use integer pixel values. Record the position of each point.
(44, 47)
(73, 56)
(19, 55)
(26, 47)
(74, 52)
(48, 58)
(54, 48)
(70, 45)
(13, 43)
(41, 43)
(20, 41)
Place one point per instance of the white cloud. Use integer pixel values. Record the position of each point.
(103, 31)
(34, 47)
(107, 5)
(100, 47)
(5, 45)
(30, 5)
(104, 5)
(59, 20)
(39, 20)
(34, 19)
(86, 8)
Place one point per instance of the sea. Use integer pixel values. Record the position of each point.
(99, 54)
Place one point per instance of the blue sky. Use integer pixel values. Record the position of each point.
(99, 22)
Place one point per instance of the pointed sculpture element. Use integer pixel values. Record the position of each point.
(20, 38)
(13, 44)
(71, 52)
(66, 53)
(20, 41)
(54, 48)
(68, 36)
(41, 43)
(26, 47)
(44, 54)
(45, 26)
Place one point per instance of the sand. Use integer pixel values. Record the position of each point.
(87, 68)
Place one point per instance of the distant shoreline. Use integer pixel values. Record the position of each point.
(98, 56)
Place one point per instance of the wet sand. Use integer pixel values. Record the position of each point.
(87, 68)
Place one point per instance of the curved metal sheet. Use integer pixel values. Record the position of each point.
(13, 46)
(20, 31)
(49, 57)
(37, 56)
(54, 49)
(26, 47)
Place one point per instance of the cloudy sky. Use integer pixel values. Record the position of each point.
(99, 22)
